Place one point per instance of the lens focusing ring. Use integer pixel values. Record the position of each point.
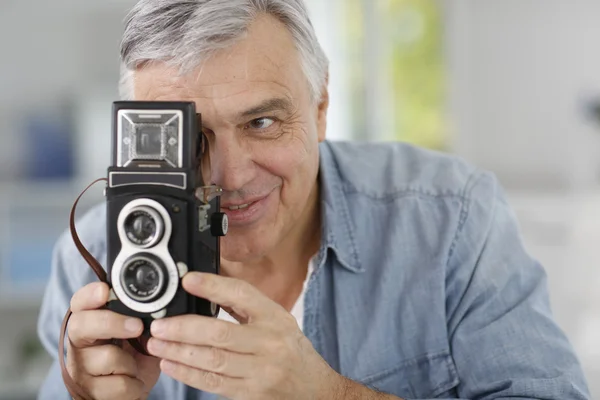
(143, 226)
(143, 277)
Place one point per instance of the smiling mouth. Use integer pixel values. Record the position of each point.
(236, 207)
(240, 214)
(240, 207)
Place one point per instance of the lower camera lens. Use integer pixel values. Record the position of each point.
(143, 226)
(143, 278)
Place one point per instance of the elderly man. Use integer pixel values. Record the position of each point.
(351, 271)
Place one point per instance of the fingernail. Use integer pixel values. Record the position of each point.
(157, 327)
(156, 344)
(193, 279)
(99, 293)
(132, 325)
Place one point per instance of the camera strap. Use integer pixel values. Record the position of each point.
(76, 392)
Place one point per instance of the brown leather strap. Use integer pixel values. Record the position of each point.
(80, 247)
(75, 389)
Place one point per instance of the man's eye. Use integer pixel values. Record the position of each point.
(261, 123)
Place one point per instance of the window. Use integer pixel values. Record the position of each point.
(389, 54)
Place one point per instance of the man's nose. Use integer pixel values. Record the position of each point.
(231, 165)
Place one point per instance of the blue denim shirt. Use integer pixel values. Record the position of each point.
(422, 287)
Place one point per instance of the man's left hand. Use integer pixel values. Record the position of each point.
(265, 357)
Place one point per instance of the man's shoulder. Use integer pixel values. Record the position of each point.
(384, 170)
(91, 230)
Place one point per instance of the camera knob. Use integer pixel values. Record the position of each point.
(219, 224)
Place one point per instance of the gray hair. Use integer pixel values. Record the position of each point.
(183, 33)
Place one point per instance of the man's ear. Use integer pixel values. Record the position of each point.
(322, 107)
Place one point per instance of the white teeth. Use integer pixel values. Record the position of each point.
(238, 207)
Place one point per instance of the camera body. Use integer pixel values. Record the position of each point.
(158, 228)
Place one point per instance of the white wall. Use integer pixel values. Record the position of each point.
(52, 50)
(519, 73)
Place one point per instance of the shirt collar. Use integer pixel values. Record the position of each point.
(338, 233)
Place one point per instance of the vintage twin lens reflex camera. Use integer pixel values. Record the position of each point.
(162, 220)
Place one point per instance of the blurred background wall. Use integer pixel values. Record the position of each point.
(511, 85)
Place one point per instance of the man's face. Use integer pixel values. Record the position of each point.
(263, 132)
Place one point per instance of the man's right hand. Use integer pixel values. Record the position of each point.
(103, 370)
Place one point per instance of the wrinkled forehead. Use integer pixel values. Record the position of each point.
(265, 58)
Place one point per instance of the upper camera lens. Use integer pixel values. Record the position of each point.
(143, 227)
(143, 278)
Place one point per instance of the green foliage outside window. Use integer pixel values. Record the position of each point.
(415, 29)
(412, 67)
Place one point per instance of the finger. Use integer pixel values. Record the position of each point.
(212, 359)
(206, 331)
(114, 387)
(87, 327)
(90, 297)
(243, 298)
(107, 360)
(203, 380)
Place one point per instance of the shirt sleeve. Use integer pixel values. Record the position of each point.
(69, 272)
(504, 340)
